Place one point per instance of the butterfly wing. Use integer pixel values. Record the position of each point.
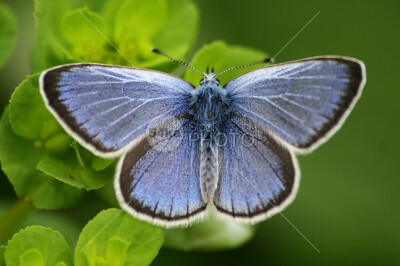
(301, 102)
(158, 181)
(259, 177)
(107, 107)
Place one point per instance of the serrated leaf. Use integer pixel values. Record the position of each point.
(37, 245)
(116, 238)
(19, 157)
(221, 56)
(210, 235)
(68, 170)
(84, 30)
(8, 32)
(48, 15)
(28, 114)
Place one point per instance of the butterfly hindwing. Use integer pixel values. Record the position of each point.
(259, 176)
(301, 102)
(158, 181)
(107, 107)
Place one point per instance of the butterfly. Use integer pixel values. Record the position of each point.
(185, 150)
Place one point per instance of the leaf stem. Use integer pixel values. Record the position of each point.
(13, 217)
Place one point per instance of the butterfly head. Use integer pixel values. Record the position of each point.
(209, 76)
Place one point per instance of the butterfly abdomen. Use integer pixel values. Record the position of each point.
(208, 166)
(210, 107)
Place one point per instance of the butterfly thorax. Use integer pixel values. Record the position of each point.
(209, 107)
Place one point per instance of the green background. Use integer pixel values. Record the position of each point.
(348, 205)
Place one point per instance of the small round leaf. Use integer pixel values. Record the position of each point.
(116, 238)
(37, 245)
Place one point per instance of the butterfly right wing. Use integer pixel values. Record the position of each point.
(158, 180)
(107, 107)
(302, 103)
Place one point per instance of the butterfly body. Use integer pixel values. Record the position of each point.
(232, 147)
(209, 107)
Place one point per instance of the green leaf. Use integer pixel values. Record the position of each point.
(129, 29)
(214, 54)
(115, 238)
(122, 33)
(38, 62)
(48, 15)
(181, 25)
(99, 164)
(37, 245)
(139, 18)
(28, 114)
(136, 22)
(221, 56)
(84, 31)
(19, 157)
(76, 148)
(2, 251)
(31, 257)
(68, 170)
(209, 235)
(58, 144)
(8, 32)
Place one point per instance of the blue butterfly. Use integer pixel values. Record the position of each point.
(186, 150)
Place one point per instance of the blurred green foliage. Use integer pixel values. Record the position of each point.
(348, 202)
(8, 30)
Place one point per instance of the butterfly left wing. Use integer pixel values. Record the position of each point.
(106, 108)
(158, 180)
(259, 177)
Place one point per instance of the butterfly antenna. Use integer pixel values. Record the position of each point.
(266, 60)
(155, 50)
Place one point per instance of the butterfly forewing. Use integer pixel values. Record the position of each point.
(107, 107)
(300, 102)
